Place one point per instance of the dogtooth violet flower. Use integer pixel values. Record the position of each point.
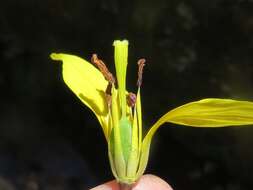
(119, 110)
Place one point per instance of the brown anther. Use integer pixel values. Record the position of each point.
(131, 99)
(109, 89)
(141, 64)
(103, 69)
(108, 94)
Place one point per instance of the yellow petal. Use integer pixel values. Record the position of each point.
(145, 146)
(209, 112)
(119, 163)
(86, 82)
(133, 158)
(139, 116)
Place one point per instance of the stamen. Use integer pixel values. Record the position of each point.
(131, 99)
(108, 94)
(103, 69)
(141, 64)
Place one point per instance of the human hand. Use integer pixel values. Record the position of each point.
(146, 182)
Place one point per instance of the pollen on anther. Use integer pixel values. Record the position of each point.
(103, 69)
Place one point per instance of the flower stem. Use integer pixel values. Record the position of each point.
(124, 186)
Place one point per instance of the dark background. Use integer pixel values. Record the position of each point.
(194, 49)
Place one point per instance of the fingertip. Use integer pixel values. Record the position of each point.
(111, 185)
(151, 182)
(146, 182)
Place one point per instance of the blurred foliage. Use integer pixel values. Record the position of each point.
(194, 49)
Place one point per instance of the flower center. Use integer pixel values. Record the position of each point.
(121, 65)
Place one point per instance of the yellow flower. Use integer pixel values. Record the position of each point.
(119, 111)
